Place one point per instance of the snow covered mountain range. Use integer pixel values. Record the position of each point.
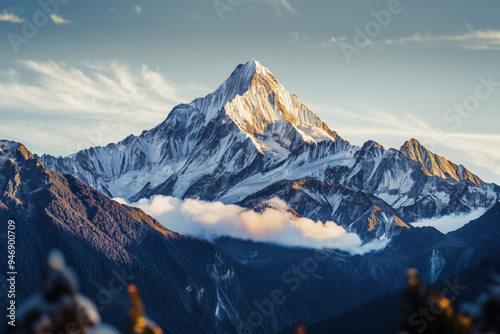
(251, 140)
(192, 285)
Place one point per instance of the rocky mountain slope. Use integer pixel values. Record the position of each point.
(188, 285)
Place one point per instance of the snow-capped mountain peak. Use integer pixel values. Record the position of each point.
(267, 102)
(435, 165)
(13, 150)
(17, 164)
(237, 84)
(253, 99)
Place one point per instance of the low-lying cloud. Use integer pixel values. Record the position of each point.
(452, 222)
(275, 224)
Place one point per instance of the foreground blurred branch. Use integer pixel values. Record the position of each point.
(139, 324)
(425, 310)
(60, 308)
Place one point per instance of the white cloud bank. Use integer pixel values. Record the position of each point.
(209, 220)
(447, 224)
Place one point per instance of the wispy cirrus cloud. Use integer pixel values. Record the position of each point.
(58, 19)
(60, 88)
(222, 7)
(471, 39)
(304, 41)
(89, 105)
(138, 9)
(10, 17)
(332, 41)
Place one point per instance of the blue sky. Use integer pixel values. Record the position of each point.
(92, 72)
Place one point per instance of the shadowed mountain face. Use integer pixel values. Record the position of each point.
(251, 134)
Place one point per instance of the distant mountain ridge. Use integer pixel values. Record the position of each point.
(434, 165)
(250, 134)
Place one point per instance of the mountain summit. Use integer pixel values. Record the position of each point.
(435, 165)
(253, 98)
(265, 102)
(238, 143)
